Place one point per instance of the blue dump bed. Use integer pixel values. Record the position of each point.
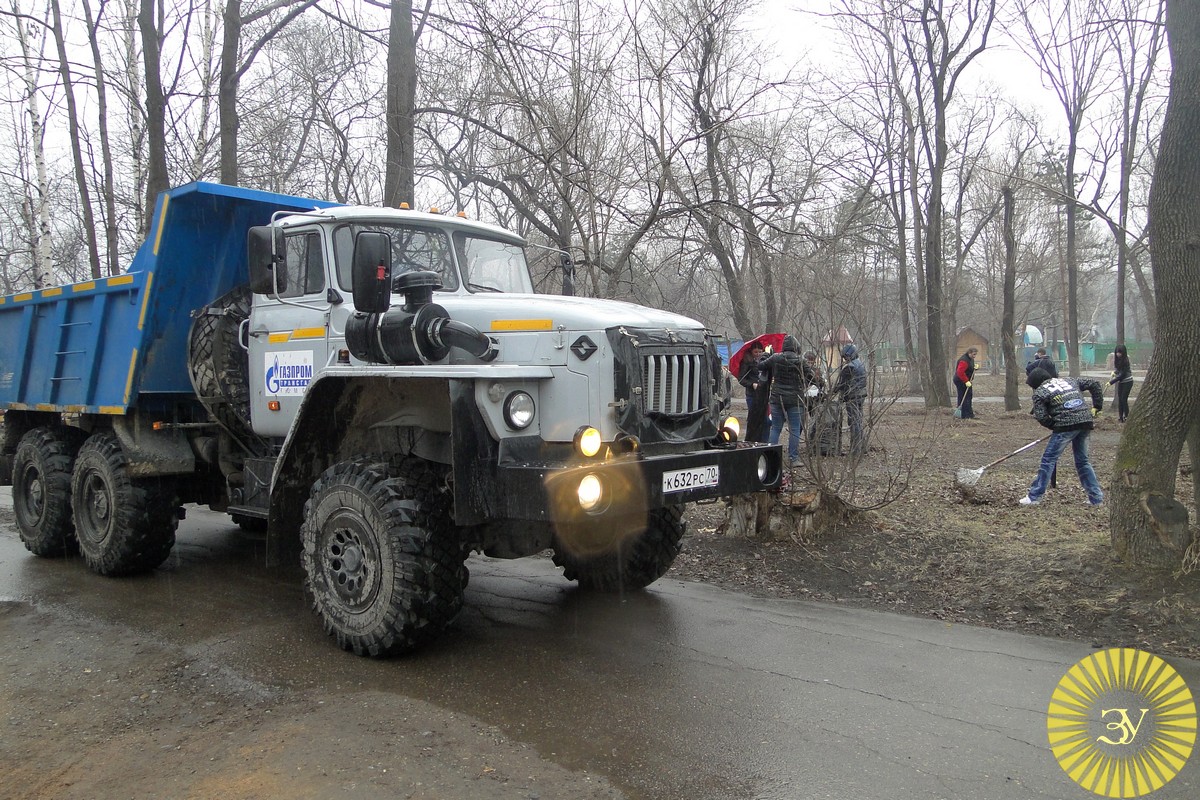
(98, 346)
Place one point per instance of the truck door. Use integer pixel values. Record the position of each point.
(288, 335)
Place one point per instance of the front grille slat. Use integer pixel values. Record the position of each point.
(672, 382)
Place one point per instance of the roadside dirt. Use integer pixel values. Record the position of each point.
(974, 558)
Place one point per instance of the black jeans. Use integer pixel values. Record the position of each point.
(1123, 390)
(964, 399)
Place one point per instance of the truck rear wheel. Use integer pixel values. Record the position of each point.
(635, 563)
(384, 569)
(123, 526)
(41, 484)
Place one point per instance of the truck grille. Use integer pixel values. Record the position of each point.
(672, 383)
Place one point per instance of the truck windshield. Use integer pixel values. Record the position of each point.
(490, 265)
(412, 249)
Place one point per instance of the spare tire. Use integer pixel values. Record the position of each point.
(220, 367)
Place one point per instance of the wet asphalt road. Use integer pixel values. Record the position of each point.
(682, 691)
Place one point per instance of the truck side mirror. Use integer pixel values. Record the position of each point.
(264, 245)
(371, 272)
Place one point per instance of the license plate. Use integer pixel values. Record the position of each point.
(680, 480)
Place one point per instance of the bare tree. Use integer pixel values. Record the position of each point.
(1069, 46)
(106, 189)
(81, 178)
(928, 46)
(1136, 42)
(236, 60)
(157, 180)
(37, 202)
(399, 183)
(1149, 527)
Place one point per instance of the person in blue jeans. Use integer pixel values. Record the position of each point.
(786, 371)
(1058, 404)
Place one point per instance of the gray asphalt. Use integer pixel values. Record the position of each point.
(682, 691)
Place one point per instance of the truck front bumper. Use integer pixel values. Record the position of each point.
(633, 485)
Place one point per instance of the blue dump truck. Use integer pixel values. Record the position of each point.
(378, 390)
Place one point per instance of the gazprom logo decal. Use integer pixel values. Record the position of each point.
(289, 373)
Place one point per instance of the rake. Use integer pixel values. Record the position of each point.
(970, 477)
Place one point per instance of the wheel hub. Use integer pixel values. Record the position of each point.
(349, 556)
(100, 507)
(97, 506)
(36, 494)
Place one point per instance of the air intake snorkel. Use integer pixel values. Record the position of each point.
(420, 331)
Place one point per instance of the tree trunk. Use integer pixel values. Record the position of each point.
(399, 183)
(1008, 343)
(1145, 522)
(227, 112)
(112, 241)
(39, 204)
(157, 180)
(81, 181)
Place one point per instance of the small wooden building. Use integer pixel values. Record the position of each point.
(968, 338)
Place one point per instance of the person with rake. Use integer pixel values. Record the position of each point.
(1058, 404)
(964, 371)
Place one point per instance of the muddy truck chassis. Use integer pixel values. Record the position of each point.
(379, 391)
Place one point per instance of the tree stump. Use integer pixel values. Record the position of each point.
(768, 517)
(749, 516)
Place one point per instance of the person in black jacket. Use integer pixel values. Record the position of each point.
(786, 369)
(757, 384)
(852, 389)
(1042, 361)
(1122, 376)
(1058, 404)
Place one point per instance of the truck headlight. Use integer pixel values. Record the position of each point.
(519, 410)
(588, 441)
(731, 430)
(590, 493)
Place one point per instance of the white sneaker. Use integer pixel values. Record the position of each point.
(1028, 501)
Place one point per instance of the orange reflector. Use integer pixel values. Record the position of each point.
(435, 210)
(404, 206)
(462, 214)
(273, 405)
(158, 426)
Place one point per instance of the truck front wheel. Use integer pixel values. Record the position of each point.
(42, 490)
(123, 526)
(384, 570)
(634, 563)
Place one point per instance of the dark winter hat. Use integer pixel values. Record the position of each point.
(849, 351)
(809, 355)
(1037, 377)
(790, 343)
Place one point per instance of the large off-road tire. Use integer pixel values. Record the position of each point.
(41, 484)
(124, 526)
(634, 562)
(220, 367)
(384, 567)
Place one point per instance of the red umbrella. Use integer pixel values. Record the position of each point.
(769, 341)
